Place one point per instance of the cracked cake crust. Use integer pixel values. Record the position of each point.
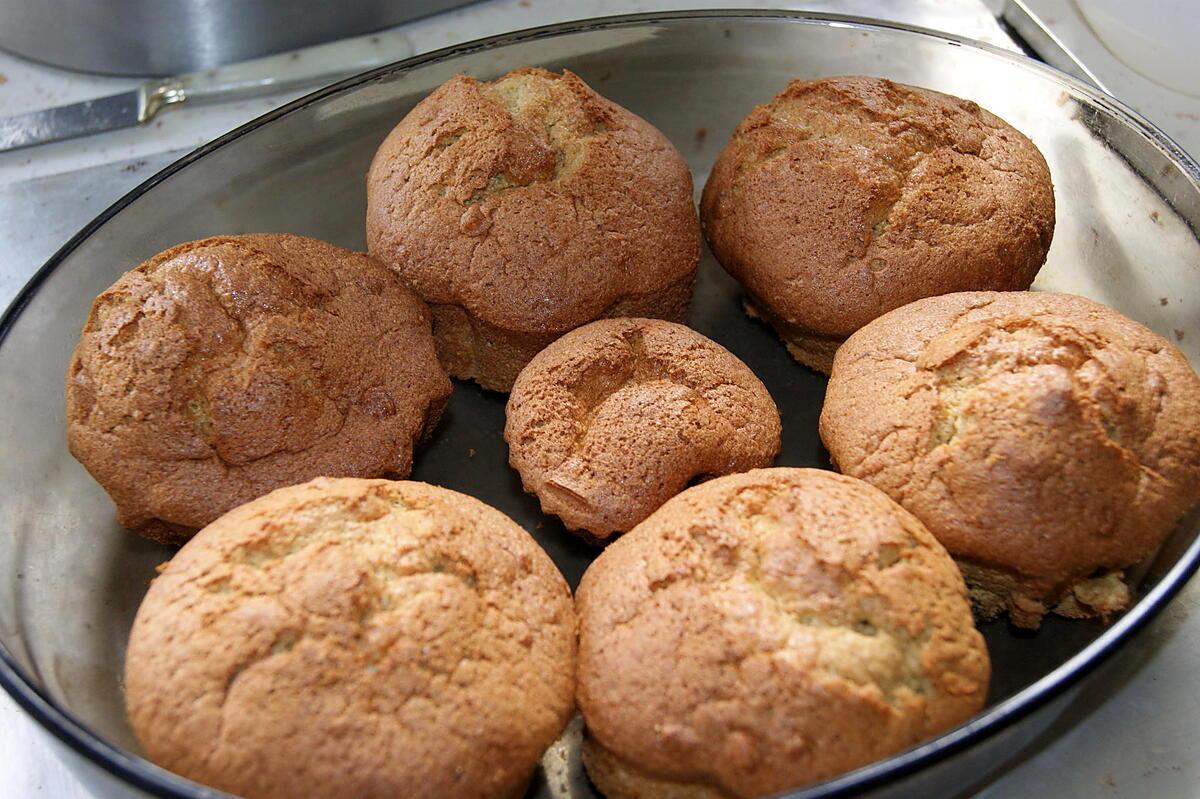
(767, 630)
(619, 415)
(527, 206)
(351, 637)
(223, 368)
(1048, 441)
(846, 197)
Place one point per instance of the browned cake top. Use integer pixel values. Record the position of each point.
(223, 368)
(531, 201)
(1041, 434)
(769, 629)
(844, 198)
(617, 416)
(359, 638)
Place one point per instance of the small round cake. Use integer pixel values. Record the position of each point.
(767, 630)
(1048, 441)
(224, 368)
(618, 416)
(844, 198)
(351, 637)
(527, 206)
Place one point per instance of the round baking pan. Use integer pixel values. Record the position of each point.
(71, 580)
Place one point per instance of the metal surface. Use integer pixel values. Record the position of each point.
(322, 63)
(167, 37)
(1161, 97)
(68, 121)
(1041, 40)
(70, 580)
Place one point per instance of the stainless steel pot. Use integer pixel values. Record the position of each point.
(167, 37)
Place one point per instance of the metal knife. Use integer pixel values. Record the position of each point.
(323, 63)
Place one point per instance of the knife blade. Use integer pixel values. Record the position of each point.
(268, 75)
(68, 121)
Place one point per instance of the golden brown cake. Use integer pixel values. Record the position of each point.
(527, 206)
(354, 638)
(618, 416)
(767, 630)
(1048, 441)
(846, 197)
(223, 368)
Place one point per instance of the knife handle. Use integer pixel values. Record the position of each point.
(322, 63)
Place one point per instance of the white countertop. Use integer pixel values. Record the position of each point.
(1135, 735)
